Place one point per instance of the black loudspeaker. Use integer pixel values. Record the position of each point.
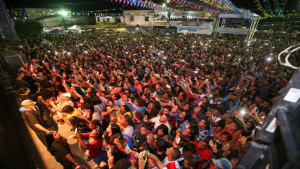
(277, 145)
(13, 59)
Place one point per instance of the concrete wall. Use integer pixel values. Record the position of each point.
(52, 21)
(110, 18)
(139, 17)
(139, 20)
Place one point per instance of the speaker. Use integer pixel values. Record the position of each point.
(13, 59)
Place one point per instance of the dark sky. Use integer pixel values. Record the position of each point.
(105, 4)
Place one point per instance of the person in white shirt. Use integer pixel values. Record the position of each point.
(163, 119)
(214, 115)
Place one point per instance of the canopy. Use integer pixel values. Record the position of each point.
(75, 27)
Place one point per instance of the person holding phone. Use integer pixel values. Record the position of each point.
(93, 146)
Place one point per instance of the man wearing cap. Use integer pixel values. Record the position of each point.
(140, 143)
(35, 120)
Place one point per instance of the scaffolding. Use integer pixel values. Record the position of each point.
(252, 29)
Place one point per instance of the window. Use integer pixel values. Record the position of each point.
(132, 18)
(147, 18)
(118, 20)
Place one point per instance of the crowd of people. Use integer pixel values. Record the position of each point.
(150, 100)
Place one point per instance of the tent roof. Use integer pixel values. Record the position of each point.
(75, 27)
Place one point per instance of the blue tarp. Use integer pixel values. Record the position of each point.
(55, 30)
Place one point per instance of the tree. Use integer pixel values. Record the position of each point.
(28, 28)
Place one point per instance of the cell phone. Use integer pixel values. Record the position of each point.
(177, 139)
(255, 109)
(206, 79)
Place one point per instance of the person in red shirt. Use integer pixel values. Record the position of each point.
(171, 162)
(93, 146)
(203, 153)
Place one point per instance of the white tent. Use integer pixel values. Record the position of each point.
(75, 27)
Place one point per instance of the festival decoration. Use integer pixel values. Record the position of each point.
(198, 7)
(31, 12)
(267, 7)
(261, 9)
(152, 5)
(239, 12)
(281, 8)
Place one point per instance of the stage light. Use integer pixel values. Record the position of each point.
(64, 13)
(269, 59)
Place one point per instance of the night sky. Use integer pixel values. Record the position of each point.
(105, 4)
